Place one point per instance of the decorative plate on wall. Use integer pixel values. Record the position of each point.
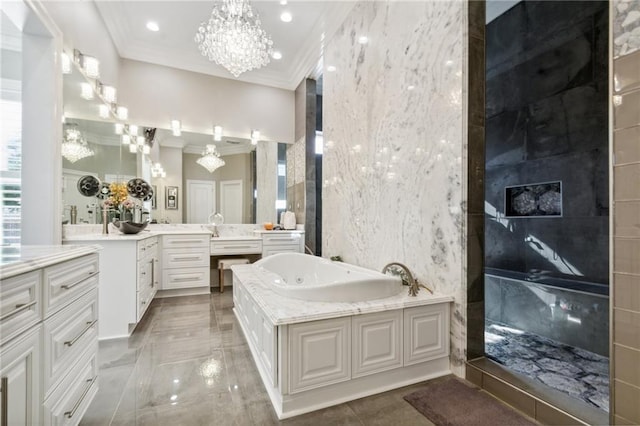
(88, 185)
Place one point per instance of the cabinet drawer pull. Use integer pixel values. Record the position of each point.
(70, 414)
(185, 241)
(70, 286)
(90, 324)
(238, 247)
(187, 258)
(19, 308)
(182, 280)
(4, 401)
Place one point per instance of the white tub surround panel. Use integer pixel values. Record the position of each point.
(393, 145)
(312, 355)
(266, 181)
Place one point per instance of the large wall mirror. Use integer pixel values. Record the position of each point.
(248, 188)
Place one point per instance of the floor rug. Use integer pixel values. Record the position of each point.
(454, 403)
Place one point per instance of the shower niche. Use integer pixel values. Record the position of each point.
(534, 200)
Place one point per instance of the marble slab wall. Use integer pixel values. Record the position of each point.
(547, 120)
(393, 123)
(266, 181)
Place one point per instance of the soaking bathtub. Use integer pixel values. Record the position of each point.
(311, 278)
(322, 333)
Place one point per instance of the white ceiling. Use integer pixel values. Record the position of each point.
(300, 41)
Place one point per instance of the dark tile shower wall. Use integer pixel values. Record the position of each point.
(546, 120)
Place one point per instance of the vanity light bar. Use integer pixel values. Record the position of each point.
(65, 61)
(176, 127)
(217, 133)
(86, 91)
(109, 94)
(91, 66)
(103, 111)
(123, 113)
(255, 135)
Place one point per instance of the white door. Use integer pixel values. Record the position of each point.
(231, 201)
(201, 200)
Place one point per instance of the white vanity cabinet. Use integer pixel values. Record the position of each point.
(281, 242)
(185, 261)
(50, 316)
(147, 274)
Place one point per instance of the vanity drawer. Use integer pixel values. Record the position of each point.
(70, 401)
(66, 281)
(222, 247)
(185, 278)
(171, 241)
(282, 239)
(287, 248)
(143, 300)
(147, 247)
(185, 258)
(66, 335)
(20, 304)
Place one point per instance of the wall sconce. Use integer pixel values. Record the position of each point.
(103, 111)
(217, 133)
(158, 171)
(255, 135)
(86, 91)
(109, 94)
(65, 61)
(91, 66)
(176, 127)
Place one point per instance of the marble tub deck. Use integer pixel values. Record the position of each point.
(576, 372)
(188, 363)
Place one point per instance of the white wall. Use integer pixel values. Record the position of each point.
(394, 154)
(157, 94)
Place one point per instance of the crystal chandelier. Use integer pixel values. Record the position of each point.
(233, 38)
(74, 147)
(210, 159)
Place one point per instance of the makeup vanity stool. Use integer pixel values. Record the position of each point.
(226, 264)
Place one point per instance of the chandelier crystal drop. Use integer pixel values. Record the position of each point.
(233, 37)
(210, 159)
(74, 147)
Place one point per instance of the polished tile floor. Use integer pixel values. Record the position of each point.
(188, 363)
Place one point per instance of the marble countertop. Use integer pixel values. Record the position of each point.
(118, 236)
(283, 310)
(17, 260)
(284, 231)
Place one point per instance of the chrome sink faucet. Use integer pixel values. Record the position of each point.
(407, 278)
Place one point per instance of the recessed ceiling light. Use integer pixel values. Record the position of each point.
(363, 40)
(276, 55)
(286, 17)
(283, 2)
(331, 68)
(153, 26)
(411, 87)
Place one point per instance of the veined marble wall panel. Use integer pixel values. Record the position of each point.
(266, 181)
(626, 27)
(393, 132)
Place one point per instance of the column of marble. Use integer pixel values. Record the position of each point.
(625, 354)
(394, 138)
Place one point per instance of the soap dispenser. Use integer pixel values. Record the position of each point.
(289, 220)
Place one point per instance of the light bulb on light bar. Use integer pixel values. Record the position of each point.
(123, 113)
(133, 129)
(104, 111)
(126, 140)
(86, 91)
(163, 174)
(176, 127)
(146, 150)
(217, 133)
(119, 128)
(133, 148)
(140, 140)
(109, 94)
(65, 61)
(255, 135)
(91, 66)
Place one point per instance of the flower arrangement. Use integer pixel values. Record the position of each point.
(119, 193)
